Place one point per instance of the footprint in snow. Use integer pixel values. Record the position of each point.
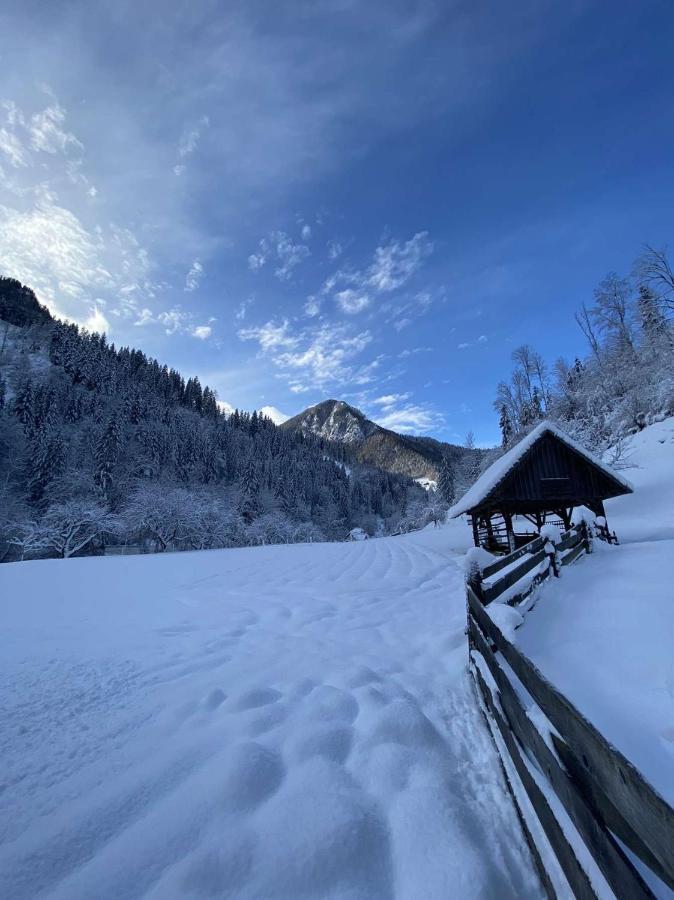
(253, 774)
(214, 699)
(258, 697)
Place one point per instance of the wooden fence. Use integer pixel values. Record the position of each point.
(506, 572)
(568, 782)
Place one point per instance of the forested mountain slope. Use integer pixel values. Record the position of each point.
(104, 443)
(370, 444)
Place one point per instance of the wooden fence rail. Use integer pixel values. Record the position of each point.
(504, 573)
(605, 797)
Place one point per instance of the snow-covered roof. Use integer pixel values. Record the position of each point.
(495, 474)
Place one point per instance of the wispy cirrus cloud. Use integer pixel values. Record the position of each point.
(194, 276)
(189, 140)
(175, 320)
(69, 266)
(315, 356)
(394, 263)
(48, 132)
(279, 248)
(464, 345)
(409, 418)
(76, 269)
(335, 250)
(242, 309)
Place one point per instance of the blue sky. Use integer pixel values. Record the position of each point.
(296, 201)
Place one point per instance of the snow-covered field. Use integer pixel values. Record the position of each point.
(280, 722)
(604, 633)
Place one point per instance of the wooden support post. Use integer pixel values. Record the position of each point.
(509, 531)
(565, 517)
(490, 531)
(476, 533)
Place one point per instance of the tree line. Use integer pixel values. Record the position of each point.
(103, 445)
(626, 378)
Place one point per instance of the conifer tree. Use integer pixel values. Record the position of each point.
(446, 486)
(106, 454)
(506, 426)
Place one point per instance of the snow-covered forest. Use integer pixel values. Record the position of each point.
(102, 445)
(625, 381)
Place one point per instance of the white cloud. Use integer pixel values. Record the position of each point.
(404, 354)
(194, 276)
(145, 317)
(306, 232)
(70, 264)
(317, 355)
(313, 306)
(352, 301)
(277, 417)
(400, 324)
(240, 314)
(335, 250)
(48, 248)
(280, 247)
(289, 254)
(173, 320)
(270, 336)
(392, 267)
(259, 259)
(202, 332)
(482, 339)
(189, 139)
(395, 263)
(47, 133)
(96, 321)
(13, 149)
(410, 418)
(386, 401)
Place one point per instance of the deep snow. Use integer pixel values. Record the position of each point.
(279, 722)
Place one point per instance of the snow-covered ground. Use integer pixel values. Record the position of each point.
(280, 722)
(604, 633)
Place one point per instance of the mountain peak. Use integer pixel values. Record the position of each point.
(333, 420)
(371, 445)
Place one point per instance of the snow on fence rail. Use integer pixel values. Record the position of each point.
(529, 565)
(579, 799)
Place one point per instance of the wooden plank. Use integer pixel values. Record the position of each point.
(569, 540)
(528, 563)
(606, 810)
(573, 555)
(637, 802)
(573, 871)
(619, 872)
(531, 843)
(495, 567)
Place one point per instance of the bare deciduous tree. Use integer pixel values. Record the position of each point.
(652, 268)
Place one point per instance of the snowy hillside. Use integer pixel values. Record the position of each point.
(604, 632)
(278, 722)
